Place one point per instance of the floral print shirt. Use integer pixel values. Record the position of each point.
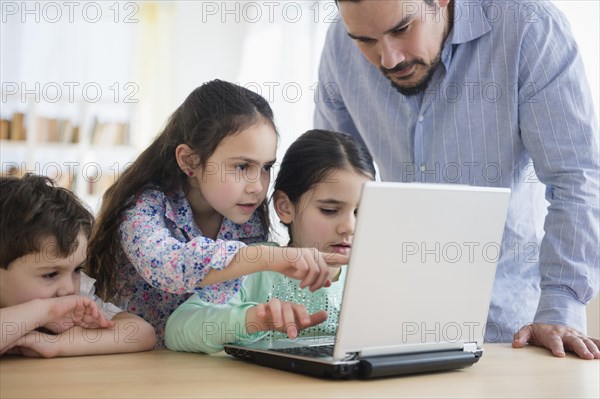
(165, 257)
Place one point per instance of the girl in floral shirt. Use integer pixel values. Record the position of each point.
(179, 219)
(316, 195)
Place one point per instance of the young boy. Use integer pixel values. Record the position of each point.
(47, 304)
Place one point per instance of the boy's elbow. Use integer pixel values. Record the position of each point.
(139, 332)
(147, 337)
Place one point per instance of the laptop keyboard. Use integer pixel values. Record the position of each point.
(310, 351)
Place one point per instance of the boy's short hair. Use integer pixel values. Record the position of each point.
(32, 209)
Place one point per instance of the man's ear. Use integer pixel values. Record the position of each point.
(443, 3)
(186, 159)
(284, 207)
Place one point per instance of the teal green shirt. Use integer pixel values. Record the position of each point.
(199, 326)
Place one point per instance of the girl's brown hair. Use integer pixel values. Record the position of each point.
(213, 111)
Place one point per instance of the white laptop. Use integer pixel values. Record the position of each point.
(417, 290)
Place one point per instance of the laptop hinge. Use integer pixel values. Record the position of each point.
(470, 347)
(412, 348)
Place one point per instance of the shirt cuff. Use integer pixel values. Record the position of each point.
(557, 306)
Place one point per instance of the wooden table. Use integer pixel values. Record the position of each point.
(503, 372)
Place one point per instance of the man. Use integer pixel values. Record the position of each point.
(487, 93)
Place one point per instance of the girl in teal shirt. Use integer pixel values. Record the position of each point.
(316, 196)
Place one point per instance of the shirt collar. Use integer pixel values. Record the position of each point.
(179, 211)
(470, 22)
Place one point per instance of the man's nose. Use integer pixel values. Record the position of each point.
(391, 53)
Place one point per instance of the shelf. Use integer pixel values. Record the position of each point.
(95, 150)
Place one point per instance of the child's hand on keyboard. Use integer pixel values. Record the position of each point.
(286, 317)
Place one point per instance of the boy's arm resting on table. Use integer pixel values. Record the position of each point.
(128, 334)
(54, 314)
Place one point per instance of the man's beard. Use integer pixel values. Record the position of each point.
(414, 88)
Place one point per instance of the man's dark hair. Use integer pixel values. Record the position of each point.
(32, 209)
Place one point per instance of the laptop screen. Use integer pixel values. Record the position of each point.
(422, 267)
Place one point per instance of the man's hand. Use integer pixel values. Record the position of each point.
(558, 339)
(286, 317)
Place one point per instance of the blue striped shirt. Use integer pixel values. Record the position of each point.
(509, 106)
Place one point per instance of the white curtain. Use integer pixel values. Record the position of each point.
(153, 68)
(280, 60)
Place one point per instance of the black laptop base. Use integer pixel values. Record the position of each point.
(388, 366)
(365, 368)
(303, 366)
